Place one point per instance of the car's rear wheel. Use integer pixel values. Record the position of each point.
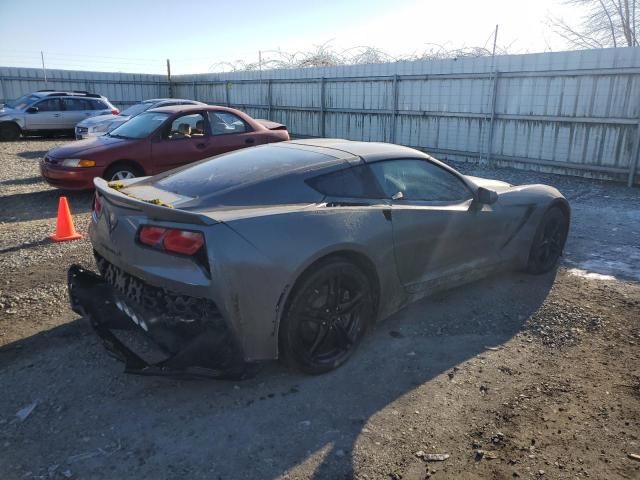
(122, 171)
(327, 316)
(9, 131)
(548, 242)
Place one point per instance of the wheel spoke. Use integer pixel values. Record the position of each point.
(321, 336)
(342, 335)
(333, 292)
(311, 318)
(351, 304)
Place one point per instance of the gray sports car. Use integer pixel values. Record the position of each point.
(293, 250)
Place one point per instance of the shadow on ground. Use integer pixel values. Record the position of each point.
(101, 423)
(20, 207)
(32, 154)
(23, 181)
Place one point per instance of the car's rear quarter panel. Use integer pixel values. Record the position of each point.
(292, 242)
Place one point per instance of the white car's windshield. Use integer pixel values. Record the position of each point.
(136, 109)
(140, 126)
(22, 102)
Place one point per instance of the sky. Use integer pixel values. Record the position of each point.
(198, 36)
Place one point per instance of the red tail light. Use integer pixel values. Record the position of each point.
(184, 242)
(152, 235)
(115, 111)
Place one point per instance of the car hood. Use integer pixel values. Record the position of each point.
(100, 119)
(7, 111)
(88, 146)
(490, 184)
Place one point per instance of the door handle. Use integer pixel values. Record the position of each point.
(56, 114)
(201, 145)
(249, 141)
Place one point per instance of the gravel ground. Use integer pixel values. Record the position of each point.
(511, 377)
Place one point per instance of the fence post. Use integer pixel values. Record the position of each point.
(169, 78)
(633, 161)
(269, 99)
(226, 93)
(322, 108)
(394, 117)
(493, 116)
(195, 91)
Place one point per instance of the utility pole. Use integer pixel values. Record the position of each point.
(495, 40)
(260, 62)
(493, 82)
(44, 70)
(169, 78)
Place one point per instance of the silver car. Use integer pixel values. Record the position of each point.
(293, 250)
(47, 112)
(100, 125)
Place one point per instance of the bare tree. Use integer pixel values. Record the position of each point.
(604, 23)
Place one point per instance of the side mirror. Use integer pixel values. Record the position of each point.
(486, 196)
(32, 110)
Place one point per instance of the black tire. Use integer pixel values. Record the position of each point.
(9, 132)
(327, 315)
(122, 171)
(548, 242)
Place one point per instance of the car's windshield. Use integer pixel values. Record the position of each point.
(140, 126)
(22, 102)
(136, 109)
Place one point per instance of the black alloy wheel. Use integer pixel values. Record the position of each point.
(548, 242)
(327, 317)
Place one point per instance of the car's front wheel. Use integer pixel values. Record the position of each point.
(122, 171)
(548, 242)
(326, 317)
(8, 132)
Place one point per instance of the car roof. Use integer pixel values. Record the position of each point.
(158, 100)
(66, 93)
(188, 108)
(367, 151)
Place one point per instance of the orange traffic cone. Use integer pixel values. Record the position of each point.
(64, 225)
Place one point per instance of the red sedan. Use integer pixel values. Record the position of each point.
(155, 141)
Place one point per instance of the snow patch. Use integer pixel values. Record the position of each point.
(578, 272)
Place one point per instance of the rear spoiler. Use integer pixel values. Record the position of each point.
(151, 210)
(271, 125)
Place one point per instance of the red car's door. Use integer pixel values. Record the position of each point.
(229, 132)
(186, 140)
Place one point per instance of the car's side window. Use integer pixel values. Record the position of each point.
(97, 105)
(225, 123)
(352, 182)
(49, 105)
(187, 126)
(420, 180)
(75, 104)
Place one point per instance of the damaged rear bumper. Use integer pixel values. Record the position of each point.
(192, 347)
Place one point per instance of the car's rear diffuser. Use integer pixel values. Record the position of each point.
(208, 354)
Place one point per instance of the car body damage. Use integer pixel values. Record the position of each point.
(265, 224)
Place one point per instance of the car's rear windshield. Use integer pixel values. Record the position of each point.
(243, 167)
(136, 109)
(140, 126)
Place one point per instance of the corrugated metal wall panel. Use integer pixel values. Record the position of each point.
(571, 108)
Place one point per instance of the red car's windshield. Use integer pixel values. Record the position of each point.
(140, 126)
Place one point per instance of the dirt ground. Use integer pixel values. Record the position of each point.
(515, 376)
